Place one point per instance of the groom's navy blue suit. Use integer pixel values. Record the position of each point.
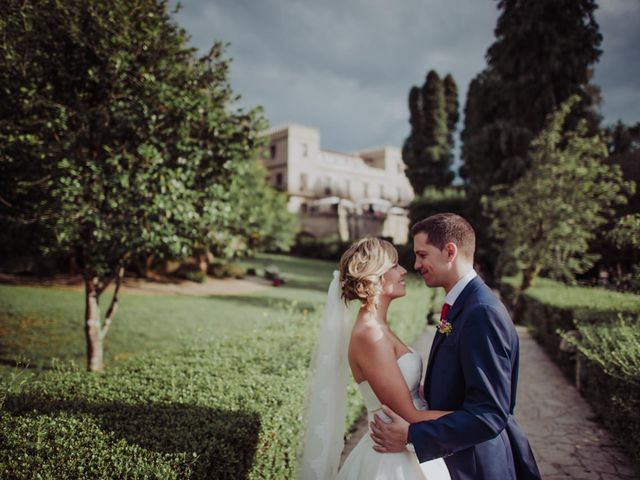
(474, 372)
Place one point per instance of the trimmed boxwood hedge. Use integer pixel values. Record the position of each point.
(227, 408)
(605, 327)
(223, 402)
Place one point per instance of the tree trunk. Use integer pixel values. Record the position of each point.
(528, 276)
(203, 261)
(92, 325)
(148, 262)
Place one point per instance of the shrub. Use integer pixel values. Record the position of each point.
(219, 393)
(190, 272)
(406, 257)
(271, 272)
(609, 374)
(605, 328)
(224, 407)
(451, 199)
(329, 248)
(226, 270)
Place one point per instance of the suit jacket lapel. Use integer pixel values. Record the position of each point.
(455, 311)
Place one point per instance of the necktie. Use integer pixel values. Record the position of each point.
(444, 312)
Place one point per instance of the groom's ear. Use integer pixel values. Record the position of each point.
(451, 251)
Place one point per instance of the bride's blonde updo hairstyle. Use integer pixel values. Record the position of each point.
(362, 267)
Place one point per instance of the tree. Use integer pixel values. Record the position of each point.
(116, 139)
(620, 255)
(543, 54)
(426, 151)
(482, 143)
(548, 216)
(258, 220)
(627, 232)
(486, 137)
(623, 139)
(451, 107)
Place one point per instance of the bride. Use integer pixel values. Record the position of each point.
(385, 370)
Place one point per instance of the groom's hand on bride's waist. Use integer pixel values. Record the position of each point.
(389, 435)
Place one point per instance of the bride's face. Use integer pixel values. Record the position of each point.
(393, 282)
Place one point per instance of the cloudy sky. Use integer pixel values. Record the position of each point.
(346, 66)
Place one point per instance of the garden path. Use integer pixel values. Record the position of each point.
(161, 286)
(566, 441)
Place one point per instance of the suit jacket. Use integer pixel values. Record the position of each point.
(474, 372)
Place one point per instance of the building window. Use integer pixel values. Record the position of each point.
(399, 191)
(381, 191)
(366, 189)
(305, 150)
(279, 180)
(303, 181)
(272, 151)
(347, 188)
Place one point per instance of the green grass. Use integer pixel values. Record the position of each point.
(306, 280)
(44, 325)
(194, 387)
(574, 297)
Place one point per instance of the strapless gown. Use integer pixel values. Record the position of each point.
(364, 463)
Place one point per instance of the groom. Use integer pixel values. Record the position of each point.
(472, 369)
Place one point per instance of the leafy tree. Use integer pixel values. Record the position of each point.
(116, 139)
(258, 220)
(626, 236)
(627, 231)
(542, 55)
(426, 151)
(548, 216)
(620, 260)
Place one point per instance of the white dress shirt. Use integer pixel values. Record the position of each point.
(455, 292)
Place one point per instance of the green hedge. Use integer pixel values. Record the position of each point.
(608, 373)
(604, 327)
(328, 248)
(451, 199)
(224, 408)
(226, 270)
(191, 272)
(221, 398)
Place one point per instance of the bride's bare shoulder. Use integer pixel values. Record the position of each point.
(367, 333)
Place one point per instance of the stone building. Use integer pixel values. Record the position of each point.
(348, 195)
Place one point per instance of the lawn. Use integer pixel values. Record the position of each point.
(194, 387)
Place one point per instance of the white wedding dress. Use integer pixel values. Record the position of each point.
(364, 463)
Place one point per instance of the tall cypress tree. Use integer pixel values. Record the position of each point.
(451, 107)
(543, 54)
(426, 151)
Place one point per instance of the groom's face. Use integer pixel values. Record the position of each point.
(431, 262)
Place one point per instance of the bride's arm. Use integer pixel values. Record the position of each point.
(375, 357)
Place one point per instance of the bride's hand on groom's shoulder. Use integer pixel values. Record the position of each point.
(389, 435)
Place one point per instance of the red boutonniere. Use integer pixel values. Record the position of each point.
(445, 327)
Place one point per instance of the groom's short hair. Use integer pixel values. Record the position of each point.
(443, 228)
